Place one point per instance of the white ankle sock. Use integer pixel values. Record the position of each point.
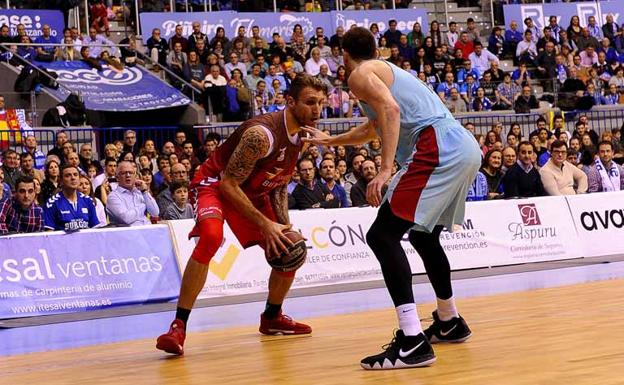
(408, 319)
(447, 309)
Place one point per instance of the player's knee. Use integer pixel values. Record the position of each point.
(285, 274)
(375, 238)
(210, 239)
(426, 244)
(419, 241)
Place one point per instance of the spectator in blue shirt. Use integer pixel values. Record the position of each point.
(30, 146)
(69, 210)
(444, 89)
(273, 74)
(46, 53)
(468, 90)
(328, 176)
(513, 36)
(463, 73)
(478, 190)
(481, 102)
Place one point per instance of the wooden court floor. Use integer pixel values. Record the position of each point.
(567, 335)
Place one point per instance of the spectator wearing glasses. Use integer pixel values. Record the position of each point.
(131, 201)
(560, 177)
(233, 64)
(178, 174)
(21, 214)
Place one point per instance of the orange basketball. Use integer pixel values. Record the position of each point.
(296, 256)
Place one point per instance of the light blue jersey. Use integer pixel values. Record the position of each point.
(438, 157)
(420, 107)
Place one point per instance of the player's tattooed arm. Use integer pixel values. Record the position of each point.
(279, 201)
(254, 145)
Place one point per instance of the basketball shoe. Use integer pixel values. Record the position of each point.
(173, 341)
(282, 324)
(402, 352)
(453, 331)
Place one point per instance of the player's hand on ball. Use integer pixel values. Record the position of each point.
(315, 136)
(276, 241)
(373, 190)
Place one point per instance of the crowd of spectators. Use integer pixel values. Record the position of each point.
(551, 161)
(135, 184)
(235, 77)
(583, 65)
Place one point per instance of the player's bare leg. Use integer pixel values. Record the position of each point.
(210, 232)
(272, 321)
(279, 285)
(193, 282)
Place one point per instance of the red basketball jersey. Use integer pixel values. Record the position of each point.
(269, 172)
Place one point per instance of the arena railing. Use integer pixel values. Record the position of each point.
(601, 119)
(14, 139)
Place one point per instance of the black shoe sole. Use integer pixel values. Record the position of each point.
(436, 340)
(425, 361)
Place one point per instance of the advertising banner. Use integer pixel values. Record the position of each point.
(405, 19)
(33, 21)
(52, 273)
(337, 253)
(132, 89)
(599, 220)
(564, 11)
(281, 23)
(531, 230)
(507, 232)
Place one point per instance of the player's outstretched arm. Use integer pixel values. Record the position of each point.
(360, 134)
(253, 146)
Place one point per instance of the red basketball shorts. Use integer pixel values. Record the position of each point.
(208, 202)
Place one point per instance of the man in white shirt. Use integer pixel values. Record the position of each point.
(234, 63)
(129, 203)
(481, 58)
(527, 50)
(96, 44)
(451, 37)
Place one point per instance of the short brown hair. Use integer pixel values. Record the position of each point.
(359, 43)
(178, 185)
(304, 80)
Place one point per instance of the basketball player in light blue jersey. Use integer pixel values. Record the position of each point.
(439, 160)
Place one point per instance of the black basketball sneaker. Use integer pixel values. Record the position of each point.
(402, 352)
(452, 331)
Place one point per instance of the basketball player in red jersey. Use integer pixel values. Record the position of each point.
(244, 183)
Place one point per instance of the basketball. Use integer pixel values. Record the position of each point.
(296, 256)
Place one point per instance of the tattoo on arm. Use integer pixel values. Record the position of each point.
(279, 201)
(252, 147)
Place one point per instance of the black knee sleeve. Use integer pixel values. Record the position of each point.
(434, 259)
